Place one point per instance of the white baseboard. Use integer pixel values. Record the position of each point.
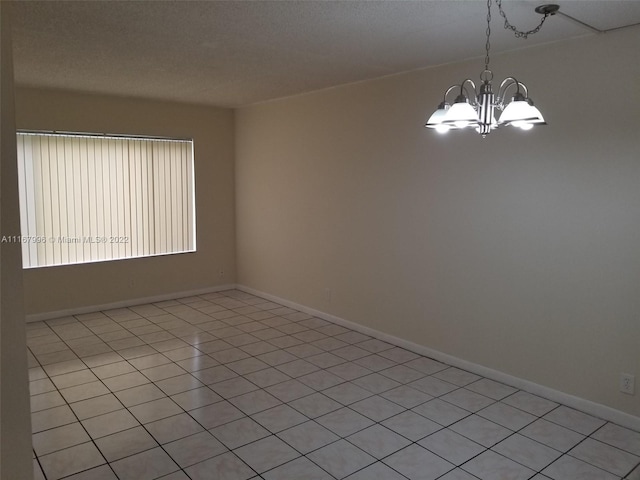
(37, 317)
(587, 406)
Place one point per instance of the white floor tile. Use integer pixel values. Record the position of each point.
(59, 438)
(300, 468)
(569, 468)
(344, 421)
(147, 465)
(194, 449)
(173, 428)
(527, 452)
(378, 441)
(533, 404)
(406, 396)
(265, 454)
(604, 456)
(70, 460)
(417, 463)
(619, 437)
(452, 446)
(467, 399)
(441, 412)
(574, 420)
(552, 435)
(480, 430)
(491, 389)
(109, 423)
(490, 465)
(103, 472)
(507, 416)
(377, 408)
(239, 432)
(279, 418)
(307, 436)
(411, 425)
(125, 443)
(341, 458)
(377, 470)
(315, 405)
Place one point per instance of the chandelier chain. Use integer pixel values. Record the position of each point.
(488, 44)
(518, 33)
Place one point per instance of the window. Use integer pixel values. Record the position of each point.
(90, 198)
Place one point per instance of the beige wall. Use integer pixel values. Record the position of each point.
(75, 286)
(519, 252)
(15, 419)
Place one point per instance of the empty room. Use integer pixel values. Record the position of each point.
(320, 240)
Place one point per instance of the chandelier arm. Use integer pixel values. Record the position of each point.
(463, 88)
(506, 84)
(448, 91)
(524, 87)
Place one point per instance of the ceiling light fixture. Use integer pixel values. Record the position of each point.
(477, 108)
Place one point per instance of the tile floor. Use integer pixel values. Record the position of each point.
(230, 386)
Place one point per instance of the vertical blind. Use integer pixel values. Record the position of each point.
(88, 198)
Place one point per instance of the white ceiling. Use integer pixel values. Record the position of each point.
(234, 53)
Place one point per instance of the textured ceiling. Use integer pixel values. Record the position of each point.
(234, 53)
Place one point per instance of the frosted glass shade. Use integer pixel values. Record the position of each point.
(436, 118)
(461, 114)
(519, 111)
(538, 118)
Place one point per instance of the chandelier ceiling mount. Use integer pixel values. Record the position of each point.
(549, 9)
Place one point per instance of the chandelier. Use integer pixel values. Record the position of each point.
(477, 108)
